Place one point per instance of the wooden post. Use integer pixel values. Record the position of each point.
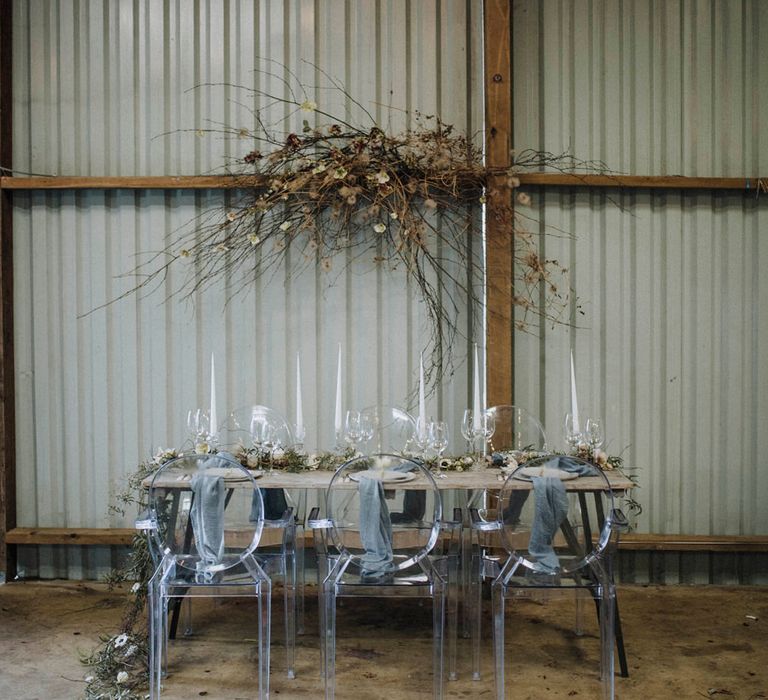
(7, 393)
(499, 241)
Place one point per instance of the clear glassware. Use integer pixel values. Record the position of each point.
(594, 435)
(352, 431)
(421, 438)
(488, 426)
(572, 436)
(199, 426)
(299, 435)
(468, 429)
(438, 441)
(367, 427)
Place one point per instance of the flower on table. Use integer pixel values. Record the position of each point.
(524, 198)
(379, 227)
(202, 448)
(120, 640)
(131, 650)
(381, 177)
(122, 677)
(340, 173)
(253, 239)
(285, 225)
(136, 587)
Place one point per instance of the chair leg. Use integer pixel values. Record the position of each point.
(438, 636)
(264, 590)
(329, 595)
(607, 599)
(477, 608)
(453, 614)
(497, 601)
(299, 552)
(289, 604)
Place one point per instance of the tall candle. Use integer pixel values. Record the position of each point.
(476, 405)
(299, 412)
(337, 418)
(214, 422)
(574, 401)
(422, 425)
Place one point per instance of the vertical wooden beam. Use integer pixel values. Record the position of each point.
(7, 393)
(499, 240)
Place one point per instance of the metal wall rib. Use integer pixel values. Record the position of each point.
(105, 88)
(671, 314)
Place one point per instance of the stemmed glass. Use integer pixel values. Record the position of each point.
(422, 436)
(199, 426)
(594, 435)
(438, 441)
(573, 435)
(468, 431)
(367, 428)
(488, 427)
(352, 429)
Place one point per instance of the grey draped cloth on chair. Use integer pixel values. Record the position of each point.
(375, 530)
(207, 515)
(551, 509)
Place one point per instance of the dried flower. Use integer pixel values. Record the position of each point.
(285, 225)
(231, 216)
(430, 203)
(120, 640)
(319, 168)
(184, 253)
(381, 177)
(325, 264)
(308, 106)
(340, 173)
(253, 239)
(379, 227)
(252, 157)
(122, 677)
(524, 198)
(136, 587)
(393, 215)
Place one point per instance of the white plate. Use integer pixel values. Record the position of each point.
(386, 476)
(232, 473)
(527, 473)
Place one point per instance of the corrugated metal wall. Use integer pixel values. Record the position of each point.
(105, 88)
(670, 347)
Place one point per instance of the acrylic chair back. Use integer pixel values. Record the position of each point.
(207, 512)
(385, 511)
(564, 529)
(517, 430)
(394, 429)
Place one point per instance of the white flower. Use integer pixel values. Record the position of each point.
(393, 215)
(252, 460)
(120, 640)
(379, 227)
(202, 448)
(254, 239)
(340, 173)
(135, 587)
(122, 677)
(285, 225)
(319, 168)
(381, 177)
(308, 106)
(278, 453)
(231, 216)
(524, 198)
(89, 679)
(131, 650)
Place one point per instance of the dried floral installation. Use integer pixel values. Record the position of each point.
(336, 191)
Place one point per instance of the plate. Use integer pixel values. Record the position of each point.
(386, 476)
(232, 473)
(527, 473)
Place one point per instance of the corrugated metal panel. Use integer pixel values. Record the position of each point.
(97, 86)
(674, 308)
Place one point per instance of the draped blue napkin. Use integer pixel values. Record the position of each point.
(376, 525)
(550, 510)
(207, 514)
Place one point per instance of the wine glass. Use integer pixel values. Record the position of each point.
(367, 427)
(488, 427)
(594, 435)
(422, 435)
(352, 431)
(573, 434)
(198, 426)
(438, 441)
(468, 429)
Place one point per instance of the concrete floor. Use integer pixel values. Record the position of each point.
(682, 642)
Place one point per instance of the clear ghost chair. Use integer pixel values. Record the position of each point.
(264, 428)
(552, 554)
(394, 429)
(380, 538)
(204, 521)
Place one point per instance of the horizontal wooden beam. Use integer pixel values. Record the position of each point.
(218, 182)
(694, 543)
(632, 541)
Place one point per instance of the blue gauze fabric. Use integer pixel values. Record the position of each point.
(550, 509)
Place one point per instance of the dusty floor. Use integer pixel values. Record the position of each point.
(682, 642)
